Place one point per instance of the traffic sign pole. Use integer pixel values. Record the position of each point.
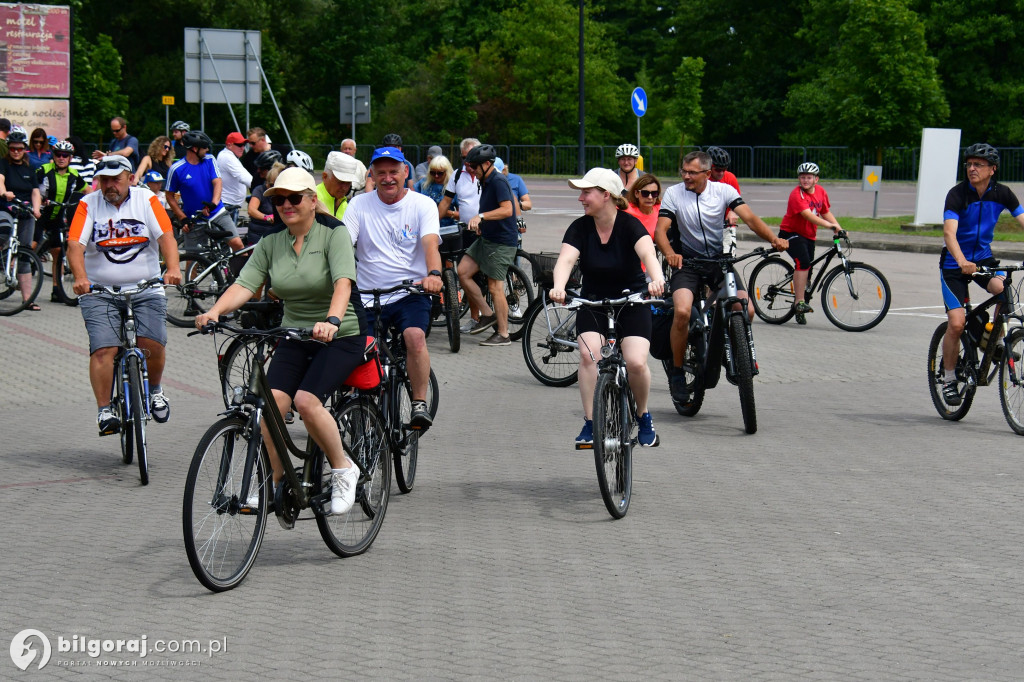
(168, 102)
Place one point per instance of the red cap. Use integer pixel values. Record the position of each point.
(235, 138)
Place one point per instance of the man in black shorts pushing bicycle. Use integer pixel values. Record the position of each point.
(691, 224)
(969, 220)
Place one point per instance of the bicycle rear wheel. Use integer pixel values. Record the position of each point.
(744, 363)
(518, 295)
(451, 309)
(364, 437)
(548, 332)
(936, 377)
(223, 532)
(196, 293)
(1011, 381)
(66, 282)
(11, 299)
(138, 416)
(855, 300)
(613, 445)
(771, 288)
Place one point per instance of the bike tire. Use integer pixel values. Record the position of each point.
(743, 360)
(936, 376)
(692, 365)
(66, 283)
(518, 295)
(235, 365)
(1011, 381)
(613, 445)
(197, 291)
(771, 290)
(119, 403)
(857, 300)
(550, 361)
(404, 441)
(451, 309)
(222, 535)
(138, 416)
(364, 437)
(11, 301)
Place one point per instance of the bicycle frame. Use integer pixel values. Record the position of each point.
(815, 283)
(982, 368)
(129, 335)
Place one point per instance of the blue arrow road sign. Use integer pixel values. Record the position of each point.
(639, 101)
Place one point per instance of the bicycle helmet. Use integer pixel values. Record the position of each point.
(18, 136)
(391, 140)
(196, 138)
(981, 150)
(808, 167)
(152, 176)
(267, 159)
(627, 150)
(181, 125)
(481, 153)
(719, 157)
(51, 140)
(63, 146)
(18, 129)
(300, 159)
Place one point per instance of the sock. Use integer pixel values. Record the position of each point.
(950, 375)
(155, 389)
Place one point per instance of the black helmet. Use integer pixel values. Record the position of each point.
(267, 159)
(196, 138)
(481, 153)
(391, 140)
(719, 157)
(981, 150)
(18, 136)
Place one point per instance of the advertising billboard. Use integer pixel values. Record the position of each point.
(35, 51)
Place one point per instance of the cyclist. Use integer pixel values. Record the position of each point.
(116, 239)
(523, 202)
(18, 181)
(57, 182)
(460, 203)
(300, 159)
(720, 172)
(155, 182)
(969, 220)
(691, 224)
(394, 140)
(198, 180)
(235, 180)
(178, 130)
(313, 270)
(626, 156)
(610, 245)
(263, 220)
(807, 210)
(338, 176)
(396, 233)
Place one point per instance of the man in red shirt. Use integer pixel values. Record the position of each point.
(808, 209)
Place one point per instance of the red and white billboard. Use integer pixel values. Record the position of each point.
(35, 51)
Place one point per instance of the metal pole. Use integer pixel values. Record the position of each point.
(167, 121)
(582, 164)
(638, 134)
(353, 112)
(272, 98)
(202, 108)
(874, 211)
(223, 91)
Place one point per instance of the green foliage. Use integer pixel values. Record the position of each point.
(684, 115)
(95, 86)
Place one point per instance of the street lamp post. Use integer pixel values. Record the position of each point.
(582, 166)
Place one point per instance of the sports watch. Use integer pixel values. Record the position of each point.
(333, 320)
(435, 273)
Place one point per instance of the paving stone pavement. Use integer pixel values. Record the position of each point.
(855, 536)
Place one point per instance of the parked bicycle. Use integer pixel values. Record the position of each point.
(549, 329)
(22, 270)
(53, 248)
(614, 413)
(855, 296)
(229, 490)
(130, 398)
(987, 347)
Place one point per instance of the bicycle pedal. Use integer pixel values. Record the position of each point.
(584, 446)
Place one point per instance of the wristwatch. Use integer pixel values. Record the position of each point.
(435, 273)
(333, 320)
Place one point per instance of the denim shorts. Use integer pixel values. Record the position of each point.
(102, 315)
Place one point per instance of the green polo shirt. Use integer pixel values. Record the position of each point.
(305, 281)
(323, 195)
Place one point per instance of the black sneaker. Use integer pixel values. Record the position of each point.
(55, 297)
(950, 394)
(420, 419)
(677, 386)
(483, 324)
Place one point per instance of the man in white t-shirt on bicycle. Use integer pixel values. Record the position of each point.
(396, 233)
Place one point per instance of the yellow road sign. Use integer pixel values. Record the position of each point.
(168, 100)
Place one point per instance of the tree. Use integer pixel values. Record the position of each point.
(876, 86)
(96, 79)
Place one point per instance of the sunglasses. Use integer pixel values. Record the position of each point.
(439, 174)
(62, 155)
(110, 165)
(167, 146)
(649, 193)
(293, 199)
(116, 130)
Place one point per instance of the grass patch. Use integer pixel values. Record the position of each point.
(1007, 229)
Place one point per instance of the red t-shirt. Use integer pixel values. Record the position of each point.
(800, 200)
(649, 221)
(729, 179)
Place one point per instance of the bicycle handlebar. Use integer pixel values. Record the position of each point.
(987, 271)
(634, 298)
(292, 333)
(406, 285)
(118, 290)
(728, 260)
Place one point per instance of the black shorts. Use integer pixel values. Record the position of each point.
(694, 276)
(632, 320)
(801, 249)
(313, 367)
(954, 283)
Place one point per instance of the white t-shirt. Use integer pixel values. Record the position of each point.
(468, 193)
(388, 239)
(121, 241)
(235, 180)
(699, 218)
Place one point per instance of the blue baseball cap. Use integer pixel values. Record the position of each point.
(499, 165)
(393, 153)
(152, 176)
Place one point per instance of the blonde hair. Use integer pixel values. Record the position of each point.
(619, 201)
(439, 163)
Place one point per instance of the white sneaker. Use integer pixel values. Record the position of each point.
(343, 489)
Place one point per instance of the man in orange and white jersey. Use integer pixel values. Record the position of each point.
(115, 239)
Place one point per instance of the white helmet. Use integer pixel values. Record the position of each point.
(627, 150)
(300, 159)
(808, 167)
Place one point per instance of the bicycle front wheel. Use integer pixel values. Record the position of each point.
(138, 415)
(451, 309)
(857, 299)
(744, 363)
(200, 286)
(237, 362)
(364, 437)
(549, 344)
(936, 377)
(613, 444)
(119, 402)
(26, 272)
(771, 287)
(223, 531)
(1011, 381)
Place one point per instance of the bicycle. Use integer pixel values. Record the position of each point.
(855, 296)
(450, 305)
(129, 398)
(986, 348)
(234, 364)
(396, 390)
(229, 482)
(614, 409)
(720, 336)
(15, 257)
(549, 329)
(58, 241)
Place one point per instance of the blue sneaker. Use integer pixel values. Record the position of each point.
(646, 435)
(585, 441)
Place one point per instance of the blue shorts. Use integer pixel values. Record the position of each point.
(102, 315)
(954, 283)
(409, 311)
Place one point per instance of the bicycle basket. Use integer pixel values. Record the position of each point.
(367, 374)
(450, 243)
(543, 265)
